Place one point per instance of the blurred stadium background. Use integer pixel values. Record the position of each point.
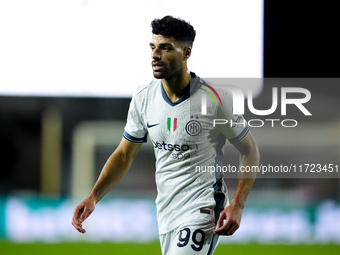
(53, 147)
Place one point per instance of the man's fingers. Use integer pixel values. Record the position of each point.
(218, 225)
(77, 220)
(222, 228)
(85, 214)
(232, 229)
(81, 213)
(228, 228)
(78, 226)
(220, 220)
(76, 214)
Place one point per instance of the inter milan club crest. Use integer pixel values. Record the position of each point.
(172, 124)
(193, 127)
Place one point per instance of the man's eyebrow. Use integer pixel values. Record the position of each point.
(161, 44)
(165, 44)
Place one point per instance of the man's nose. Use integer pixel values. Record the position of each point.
(156, 54)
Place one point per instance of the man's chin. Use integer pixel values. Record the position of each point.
(158, 75)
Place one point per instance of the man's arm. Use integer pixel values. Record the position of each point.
(250, 156)
(112, 172)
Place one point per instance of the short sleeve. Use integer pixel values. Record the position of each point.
(135, 130)
(236, 127)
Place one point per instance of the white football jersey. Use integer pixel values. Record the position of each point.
(185, 143)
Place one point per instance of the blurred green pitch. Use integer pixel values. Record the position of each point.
(7, 248)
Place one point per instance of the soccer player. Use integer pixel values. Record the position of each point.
(192, 206)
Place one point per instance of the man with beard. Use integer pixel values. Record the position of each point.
(192, 206)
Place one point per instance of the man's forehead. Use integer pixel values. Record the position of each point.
(157, 39)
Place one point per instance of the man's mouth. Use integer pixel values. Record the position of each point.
(156, 66)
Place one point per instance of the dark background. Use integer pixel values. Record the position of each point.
(299, 41)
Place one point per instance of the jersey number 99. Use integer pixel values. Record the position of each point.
(197, 238)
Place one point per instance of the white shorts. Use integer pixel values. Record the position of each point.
(193, 238)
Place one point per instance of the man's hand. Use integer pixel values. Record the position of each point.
(232, 214)
(81, 213)
(113, 171)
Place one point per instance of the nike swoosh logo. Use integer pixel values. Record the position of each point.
(150, 126)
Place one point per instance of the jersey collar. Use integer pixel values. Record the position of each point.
(190, 89)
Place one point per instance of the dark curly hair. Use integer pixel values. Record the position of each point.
(179, 29)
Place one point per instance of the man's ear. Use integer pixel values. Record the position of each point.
(187, 52)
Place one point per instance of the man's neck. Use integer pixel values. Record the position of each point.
(175, 87)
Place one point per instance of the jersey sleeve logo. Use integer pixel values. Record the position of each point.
(172, 124)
